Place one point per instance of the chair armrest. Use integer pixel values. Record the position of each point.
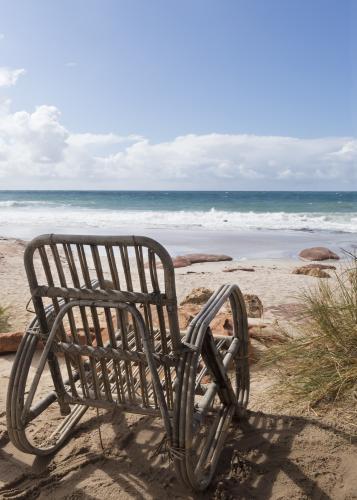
(200, 323)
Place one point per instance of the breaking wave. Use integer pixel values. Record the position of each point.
(64, 216)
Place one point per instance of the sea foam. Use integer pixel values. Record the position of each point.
(57, 216)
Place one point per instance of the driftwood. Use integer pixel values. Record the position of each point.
(88, 289)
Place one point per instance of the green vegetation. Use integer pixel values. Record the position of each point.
(320, 364)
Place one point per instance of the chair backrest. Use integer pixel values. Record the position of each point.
(131, 269)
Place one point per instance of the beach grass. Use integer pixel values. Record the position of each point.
(320, 364)
(4, 319)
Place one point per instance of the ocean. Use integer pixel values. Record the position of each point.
(195, 217)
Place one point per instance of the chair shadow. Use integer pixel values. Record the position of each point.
(255, 455)
(46, 474)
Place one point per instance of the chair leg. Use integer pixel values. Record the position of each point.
(30, 430)
(213, 387)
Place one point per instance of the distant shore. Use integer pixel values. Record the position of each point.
(241, 245)
(249, 244)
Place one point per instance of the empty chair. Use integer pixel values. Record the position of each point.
(106, 335)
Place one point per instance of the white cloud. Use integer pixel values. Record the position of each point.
(88, 139)
(71, 64)
(36, 150)
(2, 36)
(9, 77)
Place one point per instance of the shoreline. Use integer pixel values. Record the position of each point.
(240, 245)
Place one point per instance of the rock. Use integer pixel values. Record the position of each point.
(195, 258)
(181, 262)
(267, 334)
(82, 336)
(317, 273)
(261, 338)
(186, 314)
(256, 350)
(318, 266)
(197, 296)
(10, 341)
(222, 324)
(253, 305)
(233, 269)
(318, 253)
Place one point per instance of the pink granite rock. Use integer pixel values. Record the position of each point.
(195, 258)
(318, 253)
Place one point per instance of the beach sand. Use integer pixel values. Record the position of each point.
(283, 453)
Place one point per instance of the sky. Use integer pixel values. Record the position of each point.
(189, 94)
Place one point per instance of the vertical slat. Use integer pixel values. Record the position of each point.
(95, 319)
(126, 267)
(144, 288)
(119, 383)
(93, 364)
(129, 285)
(72, 265)
(102, 362)
(147, 308)
(72, 322)
(116, 364)
(121, 315)
(46, 267)
(87, 281)
(142, 370)
(84, 266)
(162, 326)
(113, 267)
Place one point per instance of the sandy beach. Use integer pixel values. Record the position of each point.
(297, 453)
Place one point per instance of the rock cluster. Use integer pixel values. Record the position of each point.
(189, 307)
(261, 335)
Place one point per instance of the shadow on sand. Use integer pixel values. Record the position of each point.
(257, 451)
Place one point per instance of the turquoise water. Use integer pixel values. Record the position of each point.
(234, 210)
(230, 201)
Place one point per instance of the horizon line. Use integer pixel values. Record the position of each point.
(186, 190)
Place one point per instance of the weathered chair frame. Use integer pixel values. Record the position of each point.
(144, 368)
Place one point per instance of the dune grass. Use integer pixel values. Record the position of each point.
(320, 363)
(4, 319)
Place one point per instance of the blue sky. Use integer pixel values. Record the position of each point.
(158, 70)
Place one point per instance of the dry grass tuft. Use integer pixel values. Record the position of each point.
(321, 363)
(4, 319)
